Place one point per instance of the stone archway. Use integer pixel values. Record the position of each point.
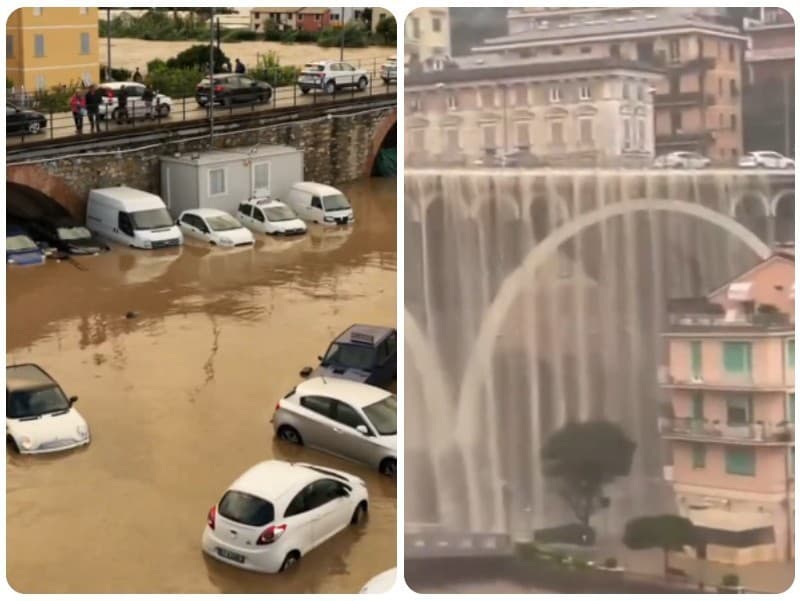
(38, 178)
(382, 129)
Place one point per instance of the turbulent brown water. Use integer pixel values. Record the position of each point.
(179, 399)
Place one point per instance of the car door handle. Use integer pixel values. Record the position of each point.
(337, 430)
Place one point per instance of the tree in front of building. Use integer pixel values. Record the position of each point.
(197, 57)
(666, 532)
(386, 30)
(582, 458)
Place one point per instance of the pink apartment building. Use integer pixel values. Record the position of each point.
(730, 428)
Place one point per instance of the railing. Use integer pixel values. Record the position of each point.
(751, 320)
(679, 98)
(63, 125)
(705, 429)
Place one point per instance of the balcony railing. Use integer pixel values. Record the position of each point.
(683, 98)
(765, 320)
(687, 427)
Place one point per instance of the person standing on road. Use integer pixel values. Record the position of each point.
(240, 67)
(147, 96)
(122, 105)
(93, 100)
(137, 77)
(77, 105)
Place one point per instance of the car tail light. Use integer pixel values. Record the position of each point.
(212, 517)
(271, 534)
(111, 93)
(278, 406)
(219, 89)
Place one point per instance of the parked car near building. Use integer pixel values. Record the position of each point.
(276, 512)
(23, 121)
(330, 76)
(161, 107)
(318, 203)
(66, 235)
(215, 227)
(267, 216)
(232, 88)
(361, 353)
(39, 416)
(347, 419)
(20, 248)
(681, 160)
(389, 70)
(768, 159)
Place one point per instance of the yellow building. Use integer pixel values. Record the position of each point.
(427, 34)
(46, 47)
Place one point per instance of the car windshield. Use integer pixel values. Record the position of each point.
(151, 219)
(313, 67)
(246, 509)
(77, 232)
(20, 243)
(351, 356)
(335, 202)
(280, 214)
(383, 415)
(221, 223)
(30, 403)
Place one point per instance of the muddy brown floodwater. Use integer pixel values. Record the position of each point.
(179, 399)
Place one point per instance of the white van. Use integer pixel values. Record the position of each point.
(319, 203)
(131, 217)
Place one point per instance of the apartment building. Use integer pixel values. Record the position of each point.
(768, 102)
(730, 383)
(427, 34)
(46, 47)
(697, 105)
(578, 112)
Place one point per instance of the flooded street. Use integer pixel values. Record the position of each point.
(179, 399)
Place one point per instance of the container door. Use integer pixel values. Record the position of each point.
(260, 179)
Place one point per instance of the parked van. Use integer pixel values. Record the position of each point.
(319, 203)
(131, 217)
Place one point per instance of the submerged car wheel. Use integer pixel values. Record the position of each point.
(289, 434)
(12, 443)
(330, 87)
(362, 84)
(291, 559)
(163, 110)
(360, 514)
(389, 467)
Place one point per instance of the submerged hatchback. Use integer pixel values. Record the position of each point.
(39, 416)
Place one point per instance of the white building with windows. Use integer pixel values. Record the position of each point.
(582, 112)
(427, 34)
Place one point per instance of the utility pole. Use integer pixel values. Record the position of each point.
(108, 45)
(211, 83)
(341, 49)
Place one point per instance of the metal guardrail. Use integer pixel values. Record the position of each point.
(62, 125)
(686, 427)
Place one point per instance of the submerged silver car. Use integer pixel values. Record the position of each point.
(352, 420)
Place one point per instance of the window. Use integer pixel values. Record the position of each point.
(586, 129)
(37, 12)
(626, 140)
(318, 404)
(316, 202)
(640, 92)
(790, 408)
(740, 461)
(301, 503)
(698, 456)
(437, 24)
(85, 43)
(731, 52)
(790, 353)
(676, 117)
(317, 17)
(489, 137)
(736, 357)
(486, 98)
(246, 209)
(585, 92)
(348, 416)
(246, 509)
(391, 344)
(216, 182)
(555, 51)
(734, 88)
(557, 133)
(452, 102)
(626, 91)
(324, 491)
(124, 223)
(414, 103)
(586, 50)
(555, 94)
(614, 50)
(258, 215)
(84, 11)
(720, 86)
(261, 178)
(38, 42)
(523, 135)
(9, 46)
(739, 410)
(697, 359)
(417, 139)
(451, 138)
(697, 406)
(642, 133)
(41, 82)
(520, 97)
(415, 27)
(675, 50)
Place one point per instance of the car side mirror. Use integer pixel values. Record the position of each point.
(363, 429)
(319, 357)
(306, 371)
(343, 492)
(73, 400)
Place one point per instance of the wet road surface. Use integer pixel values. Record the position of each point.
(179, 399)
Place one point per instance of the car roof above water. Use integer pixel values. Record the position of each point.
(126, 198)
(273, 479)
(27, 376)
(364, 334)
(355, 393)
(316, 188)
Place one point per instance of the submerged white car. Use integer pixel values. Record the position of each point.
(382, 583)
(39, 416)
(268, 216)
(276, 512)
(768, 159)
(215, 227)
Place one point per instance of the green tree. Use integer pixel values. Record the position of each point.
(581, 458)
(666, 532)
(355, 36)
(387, 30)
(196, 57)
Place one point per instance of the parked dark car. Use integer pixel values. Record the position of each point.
(230, 88)
(66, 235)
(366, 354)
(20, 248)
(23, 121)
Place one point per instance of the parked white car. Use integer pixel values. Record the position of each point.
(268, 216)
(162, 104)
(389, 70)
(215, 227)
(276, 512)
(348, 419)
(767, 159)
(39, 416)
(382, 583)
(318, 203)
(330, 76)
(682, 160)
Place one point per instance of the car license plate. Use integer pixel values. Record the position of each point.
(307, 79)
(202, 96)
(230, 555)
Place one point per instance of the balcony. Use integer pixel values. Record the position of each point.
(687, 428)
(728, 383)
(711, 319)
(682, 140)
(683, 99)
(696, 64)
